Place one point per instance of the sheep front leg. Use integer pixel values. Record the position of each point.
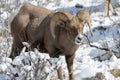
(69, 61)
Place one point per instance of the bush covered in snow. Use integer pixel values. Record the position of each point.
(29, 65)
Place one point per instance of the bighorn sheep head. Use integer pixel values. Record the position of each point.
(72, 23)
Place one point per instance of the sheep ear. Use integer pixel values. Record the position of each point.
(61, 24)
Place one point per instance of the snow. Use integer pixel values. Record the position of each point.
(34, 65)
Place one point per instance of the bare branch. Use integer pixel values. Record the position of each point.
(101, 48)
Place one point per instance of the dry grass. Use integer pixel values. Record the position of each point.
(115, 72)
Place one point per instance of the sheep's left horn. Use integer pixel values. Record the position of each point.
(84, 17)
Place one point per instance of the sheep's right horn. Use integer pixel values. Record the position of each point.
(58, 16)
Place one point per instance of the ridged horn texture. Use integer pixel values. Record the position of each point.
(84, 17)
(58, 16)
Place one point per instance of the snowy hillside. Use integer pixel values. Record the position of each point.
(97, 59)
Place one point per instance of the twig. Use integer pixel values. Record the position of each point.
(101, 48)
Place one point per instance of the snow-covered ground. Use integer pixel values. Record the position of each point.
(88, 62)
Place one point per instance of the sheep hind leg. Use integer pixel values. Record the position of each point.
(60, 76)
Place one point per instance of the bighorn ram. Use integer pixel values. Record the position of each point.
(108, 6)
(57, 33)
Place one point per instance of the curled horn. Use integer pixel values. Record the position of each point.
(58, 16)
(84, 17)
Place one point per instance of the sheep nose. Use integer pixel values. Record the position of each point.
(79, 38)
